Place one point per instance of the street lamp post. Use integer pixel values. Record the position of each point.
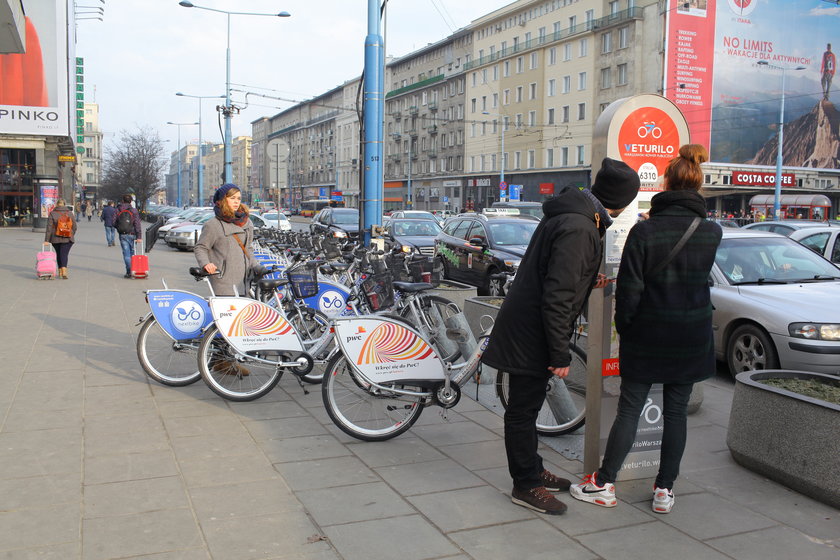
(179, 125)
(200, 142)
(777, 202)
(228, 108)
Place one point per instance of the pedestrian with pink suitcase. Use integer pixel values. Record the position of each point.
(61, 234)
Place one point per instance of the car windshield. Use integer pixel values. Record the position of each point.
(417, 215)
(512, 233)
(771, 260)
(345, 218)
(204, 218)
(415, 228)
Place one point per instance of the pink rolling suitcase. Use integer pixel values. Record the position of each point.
(46, 266)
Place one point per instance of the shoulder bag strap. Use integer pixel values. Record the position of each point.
(680, 244)
(244, 251)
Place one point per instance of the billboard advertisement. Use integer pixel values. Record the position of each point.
(731, 63)
(34, 86)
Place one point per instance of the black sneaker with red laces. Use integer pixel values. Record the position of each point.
(538, 499)
(554, 483)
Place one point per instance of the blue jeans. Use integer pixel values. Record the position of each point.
(127, 244)
(110, 234)
(623, 431)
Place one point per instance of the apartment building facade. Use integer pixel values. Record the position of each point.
(89, 160)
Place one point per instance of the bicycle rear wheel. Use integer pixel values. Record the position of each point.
(434, 310)
(564, 409)
(236, 377)
(165, 360)
(357, 411)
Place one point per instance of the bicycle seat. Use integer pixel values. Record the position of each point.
(339, 266)
(411, 287)
(271, 284)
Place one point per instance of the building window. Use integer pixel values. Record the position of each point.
(565, 114)
(483, 102)
(495, 72)
(549, 157)
(472, 104)
(518, 120)
(474, 79)
(567, 84)
(584, 47)
(519, 94)
(552, 88)
(564, 156)
(532, 118)
(606, 78)
(581, 81)
(567, 51)
(552, 56)
(622, 74)
(517, 160)
(532, 90)
(606, 42)
(623, 35)
(495, 100)
(550, 116)
(534, 61)
(506, 97)
(613, 7)
(532, 159)
(581, 111)
(506, 69)
(520, 65)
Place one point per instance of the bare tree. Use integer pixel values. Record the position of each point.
(134, 165)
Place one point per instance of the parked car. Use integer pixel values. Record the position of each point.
(277, 220)
(185, 237)
(186, 219)
(773, 307)
(474, 247)
(824, 241)
(786, 227)
(336, 222)
(412, 235)
(531, 209)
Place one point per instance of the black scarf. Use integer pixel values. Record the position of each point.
(240, 218)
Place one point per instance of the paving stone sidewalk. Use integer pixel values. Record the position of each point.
(99, 462)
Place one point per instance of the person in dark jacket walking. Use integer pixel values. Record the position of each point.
(530, 338)
(61, 243)
(663, 316)
(109, 214)
(135, 233)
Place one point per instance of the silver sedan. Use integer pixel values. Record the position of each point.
(776, 304)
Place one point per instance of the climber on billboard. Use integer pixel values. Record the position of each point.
(827, 69)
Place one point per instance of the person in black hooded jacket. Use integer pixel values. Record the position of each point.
(530, 338)
(663, 315)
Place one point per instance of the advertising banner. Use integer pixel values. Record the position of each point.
(49, 196)
(729, 64)
(33, 96)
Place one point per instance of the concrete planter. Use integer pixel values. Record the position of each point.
(785, 436)
(455, 292)
(478, 307)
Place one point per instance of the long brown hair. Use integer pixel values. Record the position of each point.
(224, 208)
(683, 172)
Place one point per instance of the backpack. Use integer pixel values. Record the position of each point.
(64, 226)
(123, 223)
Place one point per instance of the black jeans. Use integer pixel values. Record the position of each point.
(526, 396)
(623, 431)
(62, 251)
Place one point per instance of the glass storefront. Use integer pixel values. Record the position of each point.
(17, 173)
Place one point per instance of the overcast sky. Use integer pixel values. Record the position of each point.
(147, 50)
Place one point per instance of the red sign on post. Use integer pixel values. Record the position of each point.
(546, 188)
(762, 178)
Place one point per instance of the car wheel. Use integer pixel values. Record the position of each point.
(444, 268)
(749, 349)
(489, 286)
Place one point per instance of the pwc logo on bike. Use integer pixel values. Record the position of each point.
(187, 317)
(647, 140)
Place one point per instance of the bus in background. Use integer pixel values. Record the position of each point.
(309, 208)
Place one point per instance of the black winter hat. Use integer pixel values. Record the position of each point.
(222, 191)
(616, 184)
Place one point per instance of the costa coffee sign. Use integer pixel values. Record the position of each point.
(761, 178)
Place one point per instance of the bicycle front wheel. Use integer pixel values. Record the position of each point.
(167, 361)
(564, 409)
(429, 320)
(362, 411)
(233, 376)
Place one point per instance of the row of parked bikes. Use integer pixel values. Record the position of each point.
(363, 323)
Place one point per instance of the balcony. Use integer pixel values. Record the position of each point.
(413, 110)
(433, 129)
(395, 157)
(433, 106)
(396, 115)
(412, 132)
(431, 152)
